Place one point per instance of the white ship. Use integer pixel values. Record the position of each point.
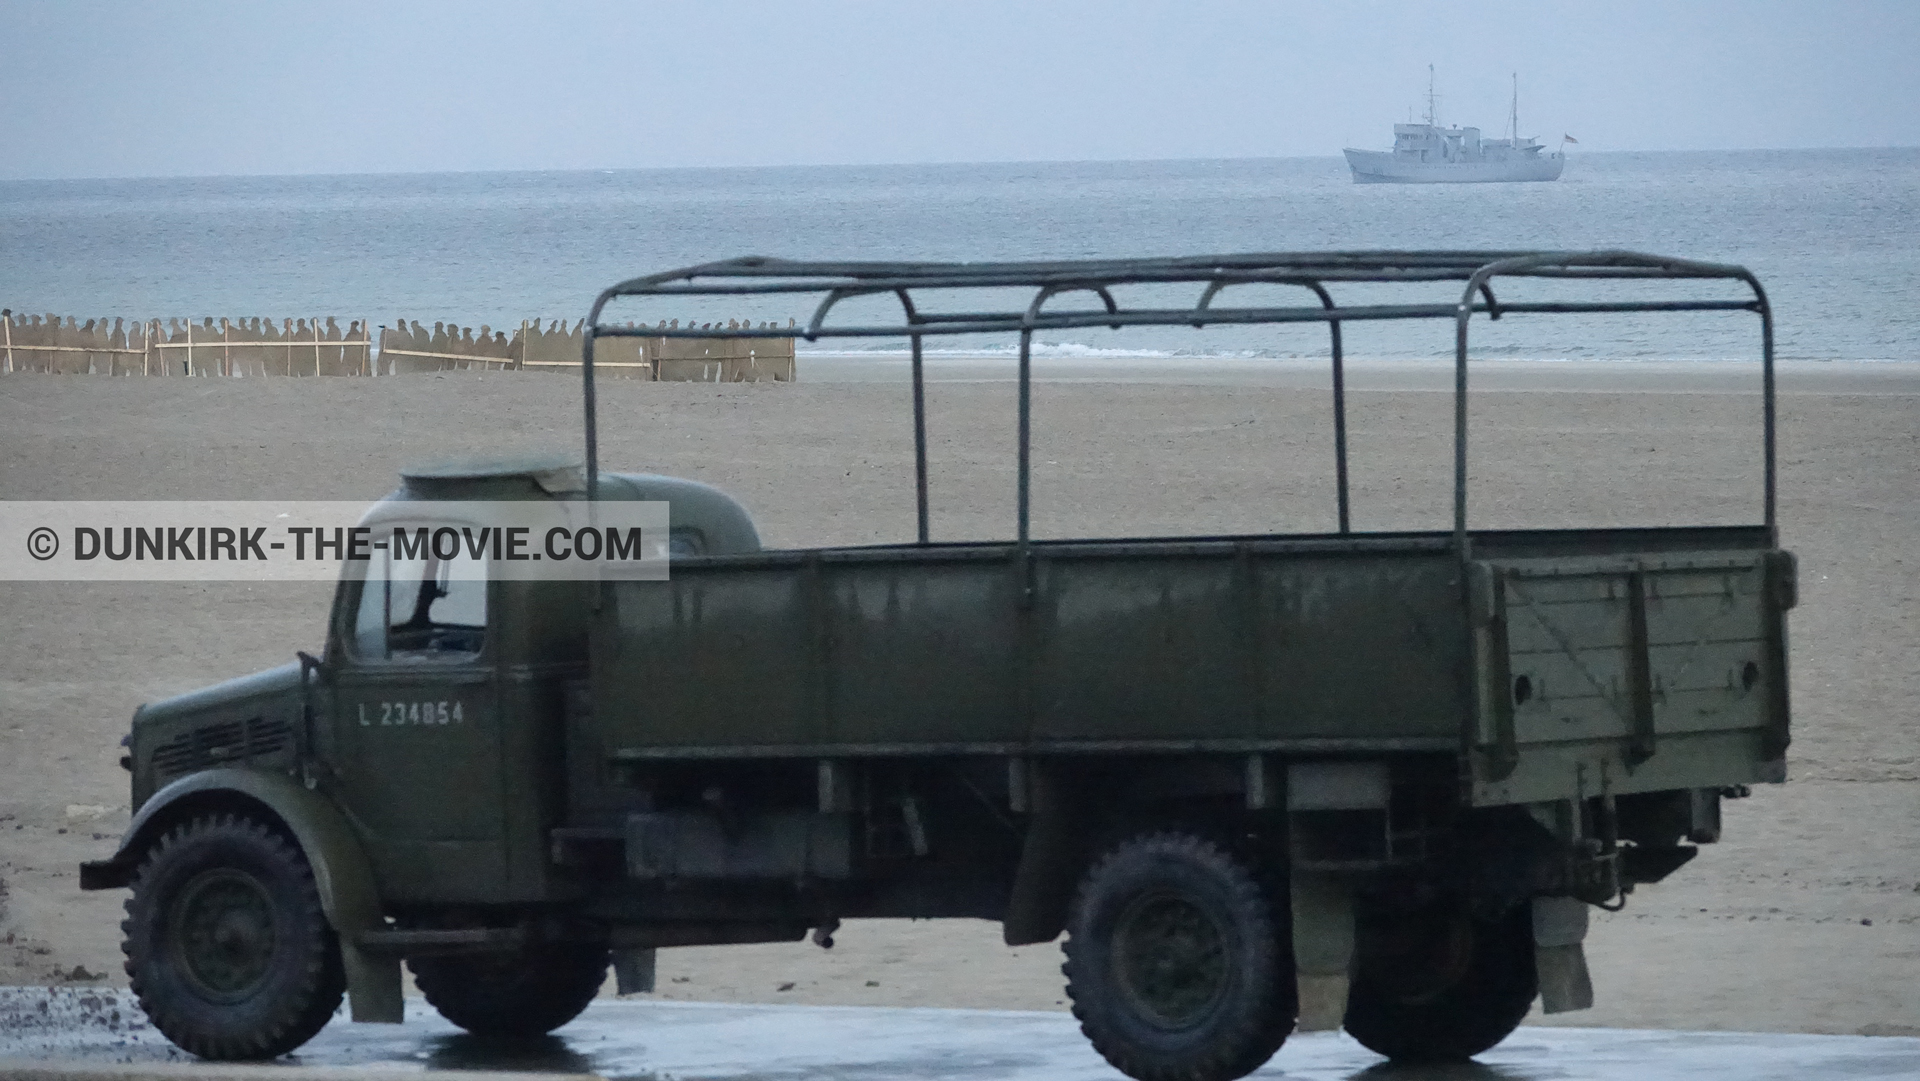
(1430, 154)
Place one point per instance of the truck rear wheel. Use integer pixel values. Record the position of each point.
(1176, 963)
(227, 948)
(1443, 986)
(522, 994)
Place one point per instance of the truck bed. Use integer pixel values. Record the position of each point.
(1541, 662)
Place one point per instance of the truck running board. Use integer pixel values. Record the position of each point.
(417, 942)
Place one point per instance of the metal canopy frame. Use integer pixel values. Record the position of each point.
(1313, 271)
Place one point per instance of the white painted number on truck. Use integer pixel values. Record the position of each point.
(390, 714)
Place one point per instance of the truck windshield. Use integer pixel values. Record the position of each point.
(428, 609)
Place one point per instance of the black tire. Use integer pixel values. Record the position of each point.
(227, 948)
(1453, 987)
(513, 995)
(1178, 963)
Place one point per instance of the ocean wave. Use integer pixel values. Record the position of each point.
(1072, 351)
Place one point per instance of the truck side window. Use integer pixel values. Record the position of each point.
(414, 610)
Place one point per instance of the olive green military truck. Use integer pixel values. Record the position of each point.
(1260, 783)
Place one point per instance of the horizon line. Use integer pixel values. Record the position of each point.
(854, 165)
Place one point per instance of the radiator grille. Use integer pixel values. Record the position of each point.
(221, 743)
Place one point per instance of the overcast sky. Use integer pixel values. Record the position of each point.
(148, 88)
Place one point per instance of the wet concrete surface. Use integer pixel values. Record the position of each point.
(662, 1040)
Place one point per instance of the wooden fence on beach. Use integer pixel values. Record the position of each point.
(306, 347)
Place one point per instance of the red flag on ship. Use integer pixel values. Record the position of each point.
(1569, 138)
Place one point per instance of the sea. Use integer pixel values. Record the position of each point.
(1834, 236)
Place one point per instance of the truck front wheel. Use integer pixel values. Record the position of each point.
(1441, 986)
(516, 995)
(1176, 962)
(227, 948)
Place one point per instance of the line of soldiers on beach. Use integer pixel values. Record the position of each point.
(527, 340)
(743, 356)
(245, 346)
(299, 347)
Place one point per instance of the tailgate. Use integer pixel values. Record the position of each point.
(1601, 675)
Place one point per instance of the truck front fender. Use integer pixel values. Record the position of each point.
(341, 871)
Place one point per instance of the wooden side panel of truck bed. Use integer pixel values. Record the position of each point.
(1226, 645)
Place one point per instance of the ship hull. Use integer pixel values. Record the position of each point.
(1379, 167)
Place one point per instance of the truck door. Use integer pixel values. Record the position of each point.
(416, 734)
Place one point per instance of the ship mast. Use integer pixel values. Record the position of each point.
(1513, 135)
(1432, 114)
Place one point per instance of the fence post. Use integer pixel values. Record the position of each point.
(315, 324)
(189, 346)
(7, 317)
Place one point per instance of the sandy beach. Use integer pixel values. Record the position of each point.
(1807, 917)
